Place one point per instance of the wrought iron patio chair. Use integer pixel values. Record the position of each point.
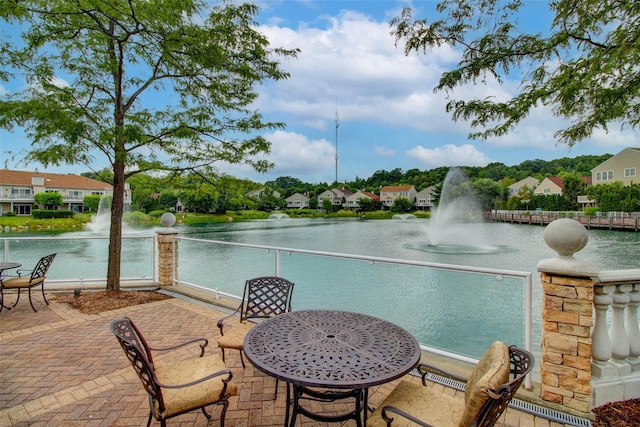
(489, 389)
(177, 387)
(22, 281)
(263, 297)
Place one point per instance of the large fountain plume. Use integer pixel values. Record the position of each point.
(101, 221)
(456, 224)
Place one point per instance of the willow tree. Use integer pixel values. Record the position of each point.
(584, 66)
(150, 85)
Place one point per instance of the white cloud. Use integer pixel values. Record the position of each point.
(384, 152)
(449, 155)
(293, 154)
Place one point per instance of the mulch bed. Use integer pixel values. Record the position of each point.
(618, 414)
(94, 302)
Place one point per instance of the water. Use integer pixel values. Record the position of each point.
(459, 312)
(455, 311)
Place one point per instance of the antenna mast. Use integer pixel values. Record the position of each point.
(337, 125)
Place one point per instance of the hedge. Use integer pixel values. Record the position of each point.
(44, 214)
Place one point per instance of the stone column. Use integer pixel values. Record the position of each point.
(567, 305)
(167, 250)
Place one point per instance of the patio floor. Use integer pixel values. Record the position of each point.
(59, 367)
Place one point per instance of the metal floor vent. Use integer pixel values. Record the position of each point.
(520, 405)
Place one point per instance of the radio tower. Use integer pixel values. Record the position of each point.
(337, 125)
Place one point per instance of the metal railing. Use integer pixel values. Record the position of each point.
(82, 260)
(221, 267)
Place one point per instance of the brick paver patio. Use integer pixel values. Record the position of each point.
(59, 367)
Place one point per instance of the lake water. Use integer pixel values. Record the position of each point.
(450, 310)
(454, 311)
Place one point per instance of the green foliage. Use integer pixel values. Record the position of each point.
(591, 211)
(327, 205)
(92, 71)
(136, 218)
(42, 214)
(50, 200)
(402, 205)
(91, 202)
(615, 197)
(156, 214)
(593, 43)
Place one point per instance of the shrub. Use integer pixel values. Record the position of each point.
(44, 214)
(591, 211)
(136, 218)
(157, 213)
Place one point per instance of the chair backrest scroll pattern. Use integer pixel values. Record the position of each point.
(266, 297)
(137, 351)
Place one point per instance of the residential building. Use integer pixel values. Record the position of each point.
(337, 196)
(258, 193)
(297, 201)
(353, 201)
(549, 186)
(18, 188)
(553, 185)
(426, 198)
(390, 193)
(623, 167)
(530, 182)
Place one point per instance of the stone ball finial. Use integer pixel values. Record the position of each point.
(566, 236)
(168, 219)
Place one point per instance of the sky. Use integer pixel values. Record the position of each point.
(352, 88)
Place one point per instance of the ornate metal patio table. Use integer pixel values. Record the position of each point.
(327, 355)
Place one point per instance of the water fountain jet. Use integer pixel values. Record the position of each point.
(101, 221)
(454, 226)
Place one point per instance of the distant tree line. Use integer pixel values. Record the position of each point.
(220, 193)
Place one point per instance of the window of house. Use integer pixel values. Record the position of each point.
(604, 176)
(21, 192)
(629, 172)
(22, 209)
(547, 190)
(76, 194)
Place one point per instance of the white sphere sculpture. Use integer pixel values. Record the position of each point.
(168, 219)
(566, 236)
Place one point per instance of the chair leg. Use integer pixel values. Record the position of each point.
(17, 299)
(206, 414)
(31, 301)
(43, 295)
(225, 405)
(241, 359)
(149, 419)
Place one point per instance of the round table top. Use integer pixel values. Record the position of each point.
(9, 265)
(331, 348)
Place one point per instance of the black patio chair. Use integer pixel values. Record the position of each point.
(489, 389)
(35, 278)
(176, 387)
(263, 297)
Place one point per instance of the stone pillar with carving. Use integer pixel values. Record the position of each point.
(167, 250)
(567, 305)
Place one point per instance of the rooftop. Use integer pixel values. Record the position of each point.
(62, 367)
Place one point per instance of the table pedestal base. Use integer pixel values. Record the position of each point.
(300, 394)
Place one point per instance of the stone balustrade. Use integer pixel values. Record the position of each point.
(590, 334)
